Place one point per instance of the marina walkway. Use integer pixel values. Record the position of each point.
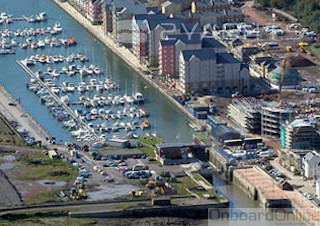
(17, 113)
(80, 122)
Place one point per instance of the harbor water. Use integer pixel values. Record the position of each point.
(167, 121)
(14, 79)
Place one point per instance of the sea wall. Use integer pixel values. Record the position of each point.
(192, 211)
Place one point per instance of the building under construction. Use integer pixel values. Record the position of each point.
(300, 134)
(246, 112)
(259, 117)
(272, 116)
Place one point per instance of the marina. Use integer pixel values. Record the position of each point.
(86, 90)
(35, 38)
(10, 18)
(111, 66)
(91, 108)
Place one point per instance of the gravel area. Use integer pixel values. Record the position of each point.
(8, 194)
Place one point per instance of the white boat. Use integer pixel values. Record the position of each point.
(71, 73)
(55, 73)
(96, 97)
(129, 100)
(81, 89)
(55, 90)
(34, 45)
(64, 70)
(83, 72)
(65, 100)
(30, 62)
(70, 89)
(138, 98)
(57, 27)
(41, 43)
(43, 16)
(47, 40)
(94, 111)
(93, 82)
(99, 88)
(97, 71)
(89, 71)
(79, 132)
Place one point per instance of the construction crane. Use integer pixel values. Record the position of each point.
(282, 77)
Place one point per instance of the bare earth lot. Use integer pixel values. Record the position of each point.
(8, 194)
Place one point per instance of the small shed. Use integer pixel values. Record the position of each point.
(116, 142)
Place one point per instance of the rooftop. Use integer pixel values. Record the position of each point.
(303, 122)
(202, 54)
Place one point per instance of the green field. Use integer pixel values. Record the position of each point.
(148, 151)
(182, 184)
(148, 145)
(38, 166)
(34, 166)
(152, 141)
(198, 177)
(315, 49)
(8, 134)
(202, 136)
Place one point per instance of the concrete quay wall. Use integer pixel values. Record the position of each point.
(192, 211)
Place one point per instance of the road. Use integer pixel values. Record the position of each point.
(17, 113)
(254, 14)
(297, 180)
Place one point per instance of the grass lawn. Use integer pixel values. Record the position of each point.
(35, 166)
(4, 153)
(315, 49)
(183, 183)
(50, 196)
(201, 194)
(11, 139)
(38, 166)
(148, 151)
(202, 136)
(148, 145)
(198, 177)
(149, 140)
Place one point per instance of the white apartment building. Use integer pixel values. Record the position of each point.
(204, 70)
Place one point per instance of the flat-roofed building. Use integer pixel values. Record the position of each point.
(272, 116)
(301, 134)
(246, 112)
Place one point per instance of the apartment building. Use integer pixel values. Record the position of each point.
(300, 134)
(246, 112)
(94, 11)
(218, 17)
(311, 165)
(172, 7)
(170, 48)
(209, 6)
(148, 30)
(205, 70)
(118, 17)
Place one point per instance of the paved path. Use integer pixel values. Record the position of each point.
(17, 113)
